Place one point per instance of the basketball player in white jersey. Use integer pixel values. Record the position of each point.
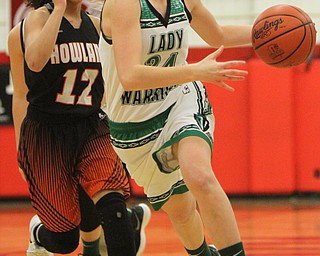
(161, 121)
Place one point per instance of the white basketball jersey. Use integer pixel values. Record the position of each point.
(164, 44)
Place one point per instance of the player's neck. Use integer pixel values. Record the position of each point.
(160, 6)
(73, 14)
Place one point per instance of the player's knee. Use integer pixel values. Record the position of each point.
(185, 200)
(62, 243)
(68, 246)
(116, 222)
(203, 182)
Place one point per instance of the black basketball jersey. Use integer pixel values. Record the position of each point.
(71, 82)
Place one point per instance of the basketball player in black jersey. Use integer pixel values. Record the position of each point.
(64, 138)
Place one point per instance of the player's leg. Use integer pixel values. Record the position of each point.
(44, 242)
(46, 155)
(140, 216)
(116, 224)
(53, 192)
(104, 178)
(185, 218)
(194, 154)
(90, 226)
(214, 205)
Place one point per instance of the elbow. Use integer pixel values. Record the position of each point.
(34, 62)
(129, 81)
(34, 65)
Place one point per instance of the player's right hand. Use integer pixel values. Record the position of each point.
(210, 70)
(60, 4)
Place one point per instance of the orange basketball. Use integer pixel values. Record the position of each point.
(283, 36)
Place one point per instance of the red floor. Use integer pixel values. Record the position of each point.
(269, 227)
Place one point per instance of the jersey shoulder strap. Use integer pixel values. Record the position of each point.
(21, 35)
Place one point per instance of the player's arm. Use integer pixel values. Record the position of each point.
(41, 31)
(19, 100)
(125, 32)
(206, 26)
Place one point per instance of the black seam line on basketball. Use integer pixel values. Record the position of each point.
(311, 47)
(280, 14)
(302, 25)
(277, 62)
(302, 12)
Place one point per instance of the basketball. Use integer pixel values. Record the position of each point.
(283, 36)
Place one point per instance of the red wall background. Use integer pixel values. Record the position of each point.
(267, 132)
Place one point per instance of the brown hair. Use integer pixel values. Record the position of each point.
(36, 3)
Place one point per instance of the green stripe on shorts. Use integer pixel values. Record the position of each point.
(158, 201)
(135, 134)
